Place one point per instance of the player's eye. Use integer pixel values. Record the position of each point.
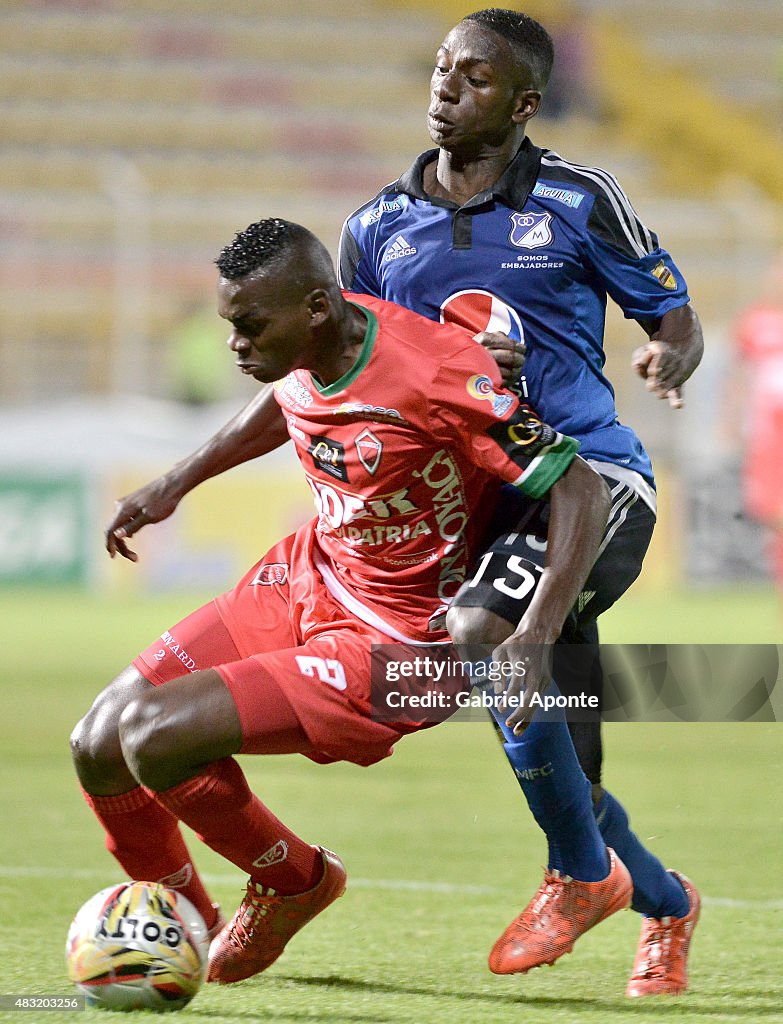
(478, 83)
(248, 328)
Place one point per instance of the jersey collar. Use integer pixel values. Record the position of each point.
(512, 188)
(350, 375)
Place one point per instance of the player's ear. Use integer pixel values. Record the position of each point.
(319, 305)
(527, 103)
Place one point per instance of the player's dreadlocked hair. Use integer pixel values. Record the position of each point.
(260, 245)
(531, 43)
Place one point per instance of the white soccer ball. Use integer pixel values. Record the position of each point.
(137, 945)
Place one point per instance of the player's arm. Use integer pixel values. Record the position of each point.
(671, 355)
(647, 285)
(508, 439)
(579, 510)
(257, 429)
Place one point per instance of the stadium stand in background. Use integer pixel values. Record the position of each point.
(138, 137)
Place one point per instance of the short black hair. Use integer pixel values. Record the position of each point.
(260, 245)
(530, 42)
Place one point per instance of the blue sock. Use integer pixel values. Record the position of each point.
(656, 892)
(558, 794)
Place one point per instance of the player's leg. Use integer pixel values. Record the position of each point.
(584, 882)
(560, 797)
(178, 740)
(667, 899)
(128, 813)
(299, 699)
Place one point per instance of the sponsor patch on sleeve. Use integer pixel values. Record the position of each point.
(480, 387)
(541, 452)
(664, 276)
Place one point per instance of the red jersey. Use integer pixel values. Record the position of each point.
(760, 339)
(404, 455)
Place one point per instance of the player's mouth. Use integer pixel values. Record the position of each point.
(439, 123)
(249, 368)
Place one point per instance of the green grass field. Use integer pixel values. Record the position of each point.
(440, 849)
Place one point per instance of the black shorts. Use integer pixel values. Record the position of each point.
(508, 571)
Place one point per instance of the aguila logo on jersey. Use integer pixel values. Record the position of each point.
(480, 386)
(664, 276)
(531, 230)
(369, 449)
(386, 206)
(561, 195)
(329, 456)
(477, 311)
(269, 574)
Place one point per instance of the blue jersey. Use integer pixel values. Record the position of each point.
(535, 256)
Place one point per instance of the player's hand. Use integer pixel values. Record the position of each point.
(507, 353)
(671, 355)
(656, 364)
(523, 648)
(149, 504)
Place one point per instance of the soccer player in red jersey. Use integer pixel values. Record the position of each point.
(404, 432)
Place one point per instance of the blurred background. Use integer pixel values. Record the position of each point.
(137, 138)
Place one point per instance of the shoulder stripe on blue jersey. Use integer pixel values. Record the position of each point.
(345, 231)
(629, 221)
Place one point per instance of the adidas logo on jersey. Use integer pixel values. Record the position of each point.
(398, 249)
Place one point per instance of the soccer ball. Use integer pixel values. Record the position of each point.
(137, 945)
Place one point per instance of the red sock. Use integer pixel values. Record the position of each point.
(219, 806)
(146, 840)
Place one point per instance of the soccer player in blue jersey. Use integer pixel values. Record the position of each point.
(491, 232)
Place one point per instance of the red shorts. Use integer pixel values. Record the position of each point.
(280, 635)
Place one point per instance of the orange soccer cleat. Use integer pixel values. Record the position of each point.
(264, 922)
(661, 965)
(561, 911)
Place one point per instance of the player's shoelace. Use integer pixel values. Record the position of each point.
(538, 914)
(657, 945)
(253, 912)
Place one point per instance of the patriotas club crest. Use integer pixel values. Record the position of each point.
(369, 449)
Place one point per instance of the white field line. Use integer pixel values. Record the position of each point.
(393, 884)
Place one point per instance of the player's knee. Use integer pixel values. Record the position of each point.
(95, 744)
(476, 626)
(148, 745)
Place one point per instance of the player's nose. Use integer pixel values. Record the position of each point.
(237, 342)
(445, 89)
